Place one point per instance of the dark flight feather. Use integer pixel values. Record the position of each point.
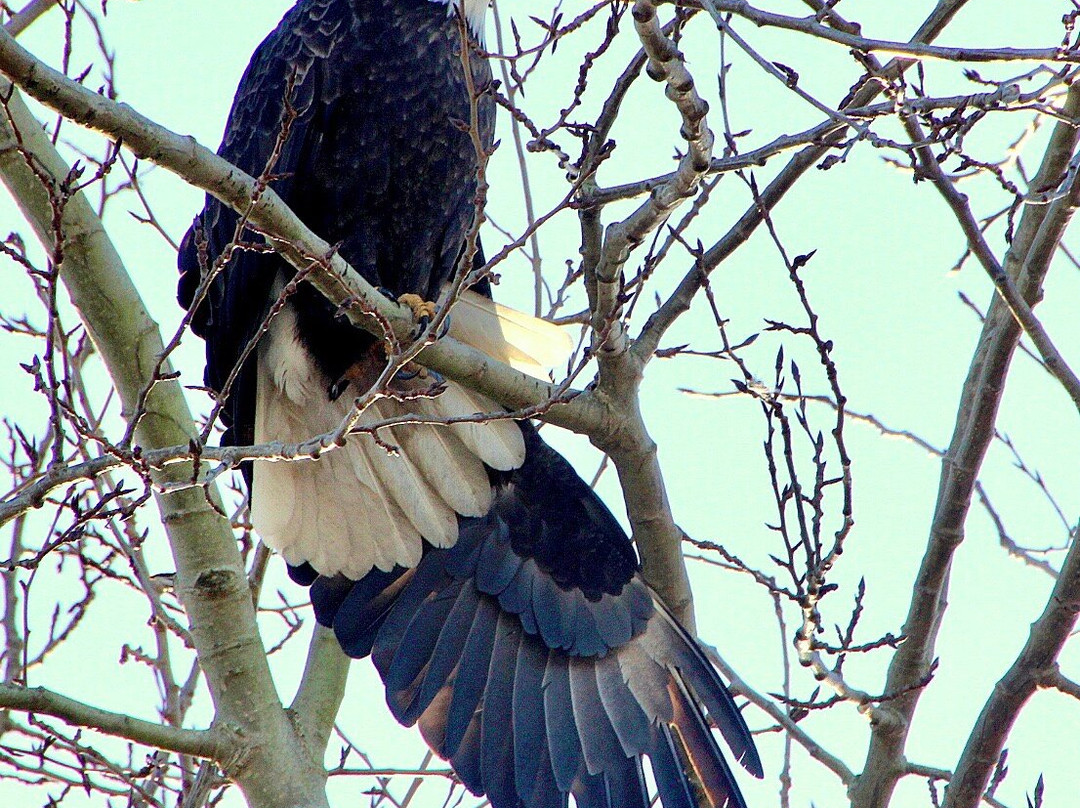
(528, 706)
(446, 655)
(472, 674)
(496, 733)
(599, 744)
(671, 780)
(564, 743)
(625, 786)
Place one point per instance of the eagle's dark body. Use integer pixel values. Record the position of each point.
(372, 162)
(521, 638)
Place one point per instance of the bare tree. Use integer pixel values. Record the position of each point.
(782, 204)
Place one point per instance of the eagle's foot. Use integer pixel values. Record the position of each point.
(408, 373)
(423, 310)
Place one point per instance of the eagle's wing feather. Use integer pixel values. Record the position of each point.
(537, 661)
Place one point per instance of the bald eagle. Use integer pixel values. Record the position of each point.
(496, 595)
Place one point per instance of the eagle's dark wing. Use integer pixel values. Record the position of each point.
(536, 660)
(498, 597)
(239, 298)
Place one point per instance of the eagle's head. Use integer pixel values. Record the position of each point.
(474, 12)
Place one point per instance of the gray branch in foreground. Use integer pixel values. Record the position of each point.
(211, 580)
(329, 272)
(322, 688)
(210, 743)
(1026, 263)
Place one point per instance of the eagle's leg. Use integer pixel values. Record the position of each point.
(363, 372)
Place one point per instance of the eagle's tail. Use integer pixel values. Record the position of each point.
(362, 505)
(527, 343)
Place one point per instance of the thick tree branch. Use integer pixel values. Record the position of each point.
(626, 440)
(1026, 262)
(210, 580)
(322, 687)
(1036, 660)
(665, 64)
(327, 271)
(210, 743)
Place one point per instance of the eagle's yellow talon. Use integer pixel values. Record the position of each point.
(421, 308)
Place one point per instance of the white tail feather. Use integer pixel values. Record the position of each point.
(527, 343)
(456, 474)
(405, 482)
(358, 506)
(333, 512)
(498, 442)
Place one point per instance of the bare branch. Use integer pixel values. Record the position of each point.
(213, 743)
(298, 244)
(29, 14)
(972, 435)
(1034, 666)
(913, 49)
